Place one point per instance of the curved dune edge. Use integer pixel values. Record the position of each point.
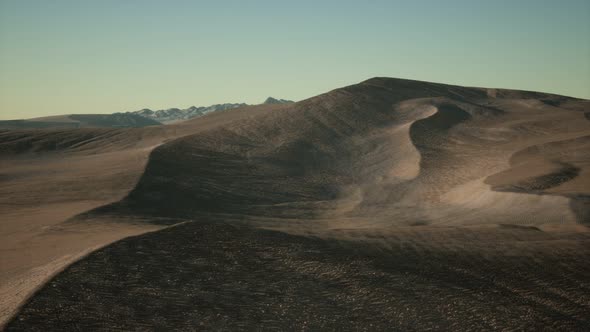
(420, 177)
(15, 293)
(248, 269)
(65, 233)
(551, 169)
(60, 244)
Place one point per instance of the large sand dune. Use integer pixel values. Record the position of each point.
(390, 204)
(49, 176)
(115, 120)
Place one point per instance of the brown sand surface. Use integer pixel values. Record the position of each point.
(53, 118)
(50, 176)
(386, 205)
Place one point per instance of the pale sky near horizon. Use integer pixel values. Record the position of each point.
(60, 57)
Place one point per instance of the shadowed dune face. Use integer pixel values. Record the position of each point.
(558, 168)
(49, 176)
(217, 276)
(386, 152)
(390, 204)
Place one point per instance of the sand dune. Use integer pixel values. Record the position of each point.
(365, 154)
(115, 120)
(390, 204)
(49, 176)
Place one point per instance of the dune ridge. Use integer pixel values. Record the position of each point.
(390, 204)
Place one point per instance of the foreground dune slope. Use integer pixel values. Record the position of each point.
(390, 204)
(49, 176)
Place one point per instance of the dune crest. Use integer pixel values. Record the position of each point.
(397, 203)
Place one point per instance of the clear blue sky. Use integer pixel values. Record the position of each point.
(106, 56)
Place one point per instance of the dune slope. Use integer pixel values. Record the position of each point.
(49, 176)
(115, 120)
(390, 204)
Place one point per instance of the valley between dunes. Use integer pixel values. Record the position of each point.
(389, 204)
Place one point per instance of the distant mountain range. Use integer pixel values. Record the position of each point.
(172, 115)
(141, 118)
